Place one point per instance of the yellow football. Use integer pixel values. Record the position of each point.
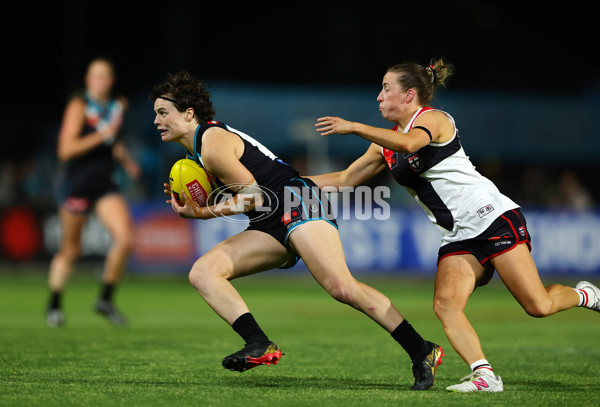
(186, 175)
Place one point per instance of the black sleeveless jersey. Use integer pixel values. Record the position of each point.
(97, 165)
(270, 172)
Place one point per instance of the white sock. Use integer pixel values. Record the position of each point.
(482, 364)
(583, 297)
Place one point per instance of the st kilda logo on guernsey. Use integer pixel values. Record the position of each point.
(414, 162)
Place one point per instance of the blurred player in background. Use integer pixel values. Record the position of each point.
(482, 229)
(307, 230)
(89, 147)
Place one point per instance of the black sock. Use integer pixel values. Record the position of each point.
(411, 341)
(106, 293)
(248, 329)
(55, 297)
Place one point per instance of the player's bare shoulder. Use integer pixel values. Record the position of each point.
(438, 123)
(217, 139)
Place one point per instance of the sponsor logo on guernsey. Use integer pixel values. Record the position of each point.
(286, 218)
(485, 210)
(294, 216)
(391, 158)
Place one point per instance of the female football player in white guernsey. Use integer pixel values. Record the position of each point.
(276, 237)
(482, 229)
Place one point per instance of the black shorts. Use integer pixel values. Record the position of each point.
(298, 202)
(80, 198)
(504, 234)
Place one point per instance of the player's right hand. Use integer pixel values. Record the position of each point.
(188, 209)
(167, 189)
(333, 125)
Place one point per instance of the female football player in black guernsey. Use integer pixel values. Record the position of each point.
(299, 226)
(482, 229)
(89, 146)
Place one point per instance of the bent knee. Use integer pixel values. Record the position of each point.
(124, 242)
(342, 291)
(129, 243)
(445, 307)
(198, 276)
(540, 308)
(194, 277)
(203, 272)
(70, 251)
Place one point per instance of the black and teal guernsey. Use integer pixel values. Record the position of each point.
(269, 171)
(87, 177)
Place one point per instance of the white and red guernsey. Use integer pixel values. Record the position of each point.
(460, 201)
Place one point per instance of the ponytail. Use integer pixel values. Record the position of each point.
(424, 79)
(439, 71)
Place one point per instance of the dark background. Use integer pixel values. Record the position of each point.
(524, 46)
(527, 78)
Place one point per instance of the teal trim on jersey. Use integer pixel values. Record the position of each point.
(306, 185)
(195, 156)
(306, 211)
(103, 109)
(305, 221)
(303, 206)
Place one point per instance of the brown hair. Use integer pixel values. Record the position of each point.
(185, 91)
(423, 79)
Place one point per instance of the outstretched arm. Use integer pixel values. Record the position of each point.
(365, 167)
(401, 142)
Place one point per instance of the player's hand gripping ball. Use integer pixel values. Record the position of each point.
(186, 175)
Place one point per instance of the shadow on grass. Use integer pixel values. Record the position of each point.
(555, 386)
(329, 383)
(247, 381)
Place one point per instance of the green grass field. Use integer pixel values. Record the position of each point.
(171, 354)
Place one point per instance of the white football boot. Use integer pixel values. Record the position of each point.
(590, 294)
(479, 381)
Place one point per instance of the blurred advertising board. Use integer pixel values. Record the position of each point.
(563, 241)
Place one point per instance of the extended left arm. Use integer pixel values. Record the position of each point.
(401, 142)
